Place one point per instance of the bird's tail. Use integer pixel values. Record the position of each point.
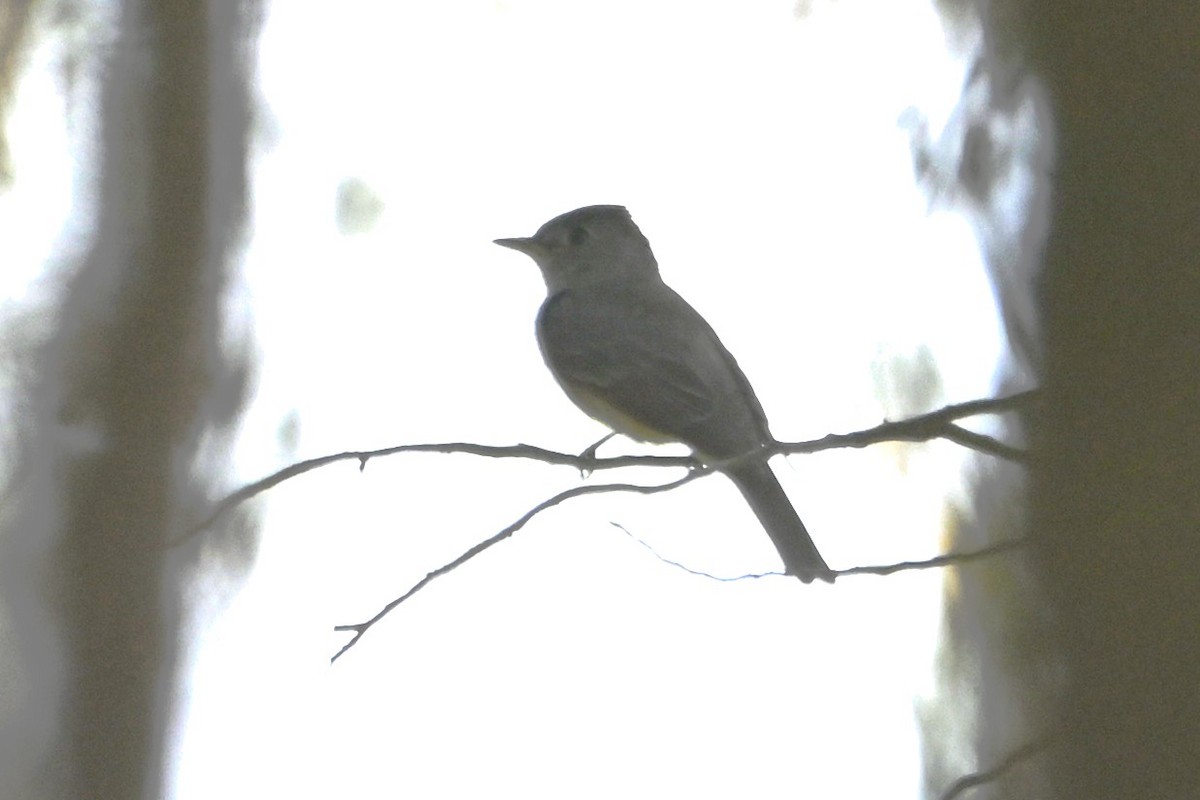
(758, 484)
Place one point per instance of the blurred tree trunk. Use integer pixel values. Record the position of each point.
(1102, 651)
(1116, 493)
(133, 383)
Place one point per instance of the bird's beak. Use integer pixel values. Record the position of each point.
(526, 244)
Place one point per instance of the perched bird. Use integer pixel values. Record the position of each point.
(633, 354)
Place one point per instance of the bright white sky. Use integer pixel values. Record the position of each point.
(761, 155)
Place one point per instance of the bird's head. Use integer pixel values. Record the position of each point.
(588, 246)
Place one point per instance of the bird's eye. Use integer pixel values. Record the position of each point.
(577, 236)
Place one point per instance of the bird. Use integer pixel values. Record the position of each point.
(634, 355)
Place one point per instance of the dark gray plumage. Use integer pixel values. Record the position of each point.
(636, 356)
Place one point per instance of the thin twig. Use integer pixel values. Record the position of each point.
(362, 627)
(1022, 753)
(699, 573)
(946, 560)
(984, 444)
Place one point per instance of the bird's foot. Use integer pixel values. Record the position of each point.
(809, 575)
(590, 454)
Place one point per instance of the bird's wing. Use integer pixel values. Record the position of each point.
(640, 359)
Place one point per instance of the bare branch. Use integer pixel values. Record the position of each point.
(934, 425)
(526, 451)
(362, 627)
(949, 559)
